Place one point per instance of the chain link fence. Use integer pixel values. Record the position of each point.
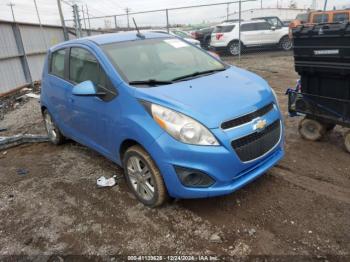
(226, 28)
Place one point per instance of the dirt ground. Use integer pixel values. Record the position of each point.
(300, 208)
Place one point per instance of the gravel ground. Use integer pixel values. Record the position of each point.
(300, 208)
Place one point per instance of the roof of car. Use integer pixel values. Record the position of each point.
(242, 22)
(115, 37)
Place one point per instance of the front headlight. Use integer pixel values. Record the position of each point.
(181, 127)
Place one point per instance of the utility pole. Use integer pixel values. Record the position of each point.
(261, 4)
(325, 5)
(82, 10)
(41, 26)
(239, 31)
(77, 21)
(115, 22)
(88, 17)
(127, 10)
(227, 11)
(11, 5)
(167, 20)
(65, 31)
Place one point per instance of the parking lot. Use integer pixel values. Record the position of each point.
(300, 207)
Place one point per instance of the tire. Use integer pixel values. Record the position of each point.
(52, 130)
(347, 141)
(311, 129)
(234, 47)
(286, 43)
(143, 177)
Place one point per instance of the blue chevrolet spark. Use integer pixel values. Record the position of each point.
(181, 123)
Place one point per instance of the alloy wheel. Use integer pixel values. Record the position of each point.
(140, 178)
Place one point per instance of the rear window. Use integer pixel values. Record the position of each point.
(223, 28)
(321, 18)
(57, 63)
(341, 17)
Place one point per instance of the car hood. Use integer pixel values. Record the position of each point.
(214, 98)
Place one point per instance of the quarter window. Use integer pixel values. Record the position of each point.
(57, 63)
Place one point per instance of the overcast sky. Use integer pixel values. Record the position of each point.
(25, 11)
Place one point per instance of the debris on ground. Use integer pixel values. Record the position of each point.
(22, 171)
(215, 238)
(11, 141)
(32, 95)
(2, 129)
(104, 182)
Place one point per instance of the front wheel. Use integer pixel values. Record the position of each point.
(143, 177)
(286, 43)
(234, 48)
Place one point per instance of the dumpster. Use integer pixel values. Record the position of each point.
(322, 59)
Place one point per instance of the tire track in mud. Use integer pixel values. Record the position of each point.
(326, 189)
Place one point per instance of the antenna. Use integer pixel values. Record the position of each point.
(138, 31)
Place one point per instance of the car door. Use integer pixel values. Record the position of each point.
(58, 87)
(92, 116)
(270, 33)
(248, 34)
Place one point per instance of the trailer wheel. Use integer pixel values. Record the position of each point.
(347, 141)
(311, 129)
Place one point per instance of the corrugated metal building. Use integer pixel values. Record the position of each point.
(23, 48)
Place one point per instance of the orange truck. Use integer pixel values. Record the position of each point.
(316, 17)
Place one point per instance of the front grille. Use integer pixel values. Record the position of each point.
(257, 144)
(247, 118)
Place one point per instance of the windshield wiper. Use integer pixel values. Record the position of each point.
(198, 74)
(150, 82)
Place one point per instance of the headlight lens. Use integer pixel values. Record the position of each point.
(181, 127)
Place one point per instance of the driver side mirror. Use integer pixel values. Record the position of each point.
(273, 28)
(86, 88)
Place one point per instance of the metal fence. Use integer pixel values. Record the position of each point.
(22, 51)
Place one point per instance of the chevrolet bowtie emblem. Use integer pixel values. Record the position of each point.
(260, 125)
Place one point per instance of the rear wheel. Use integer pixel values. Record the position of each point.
(347, 141)
(143, 177)
(53, 131)
(286, 43)
(311, 129)
(234, 48)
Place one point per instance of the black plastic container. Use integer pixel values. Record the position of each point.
(322, 48)
(322, 59)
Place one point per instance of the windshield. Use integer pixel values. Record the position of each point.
(162, 59)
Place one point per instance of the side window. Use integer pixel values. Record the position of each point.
(84, 66)
(341, 17)
(57, 63)
(262, 26)
(247, 27)
(320, 18)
